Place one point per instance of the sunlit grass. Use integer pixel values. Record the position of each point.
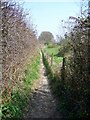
(54, 52)
(58, 60)
(51, 51)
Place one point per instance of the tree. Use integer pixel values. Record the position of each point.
(46, 37)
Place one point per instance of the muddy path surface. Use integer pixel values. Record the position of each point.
(42, 103)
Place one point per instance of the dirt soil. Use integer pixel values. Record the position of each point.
(42, 103)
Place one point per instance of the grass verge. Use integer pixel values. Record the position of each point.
(20, 96)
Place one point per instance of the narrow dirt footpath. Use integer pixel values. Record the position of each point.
(42, 103)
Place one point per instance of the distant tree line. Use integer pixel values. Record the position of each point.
(46, 37)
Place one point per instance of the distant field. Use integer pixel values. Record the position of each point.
(54, 50)
(51, 51)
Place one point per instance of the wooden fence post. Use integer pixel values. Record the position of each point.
(63, 70)
(52, 59)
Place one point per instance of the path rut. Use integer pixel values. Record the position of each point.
(42, 103)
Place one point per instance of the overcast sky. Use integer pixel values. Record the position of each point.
(47, 14)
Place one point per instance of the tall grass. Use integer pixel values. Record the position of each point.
(49, 71)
